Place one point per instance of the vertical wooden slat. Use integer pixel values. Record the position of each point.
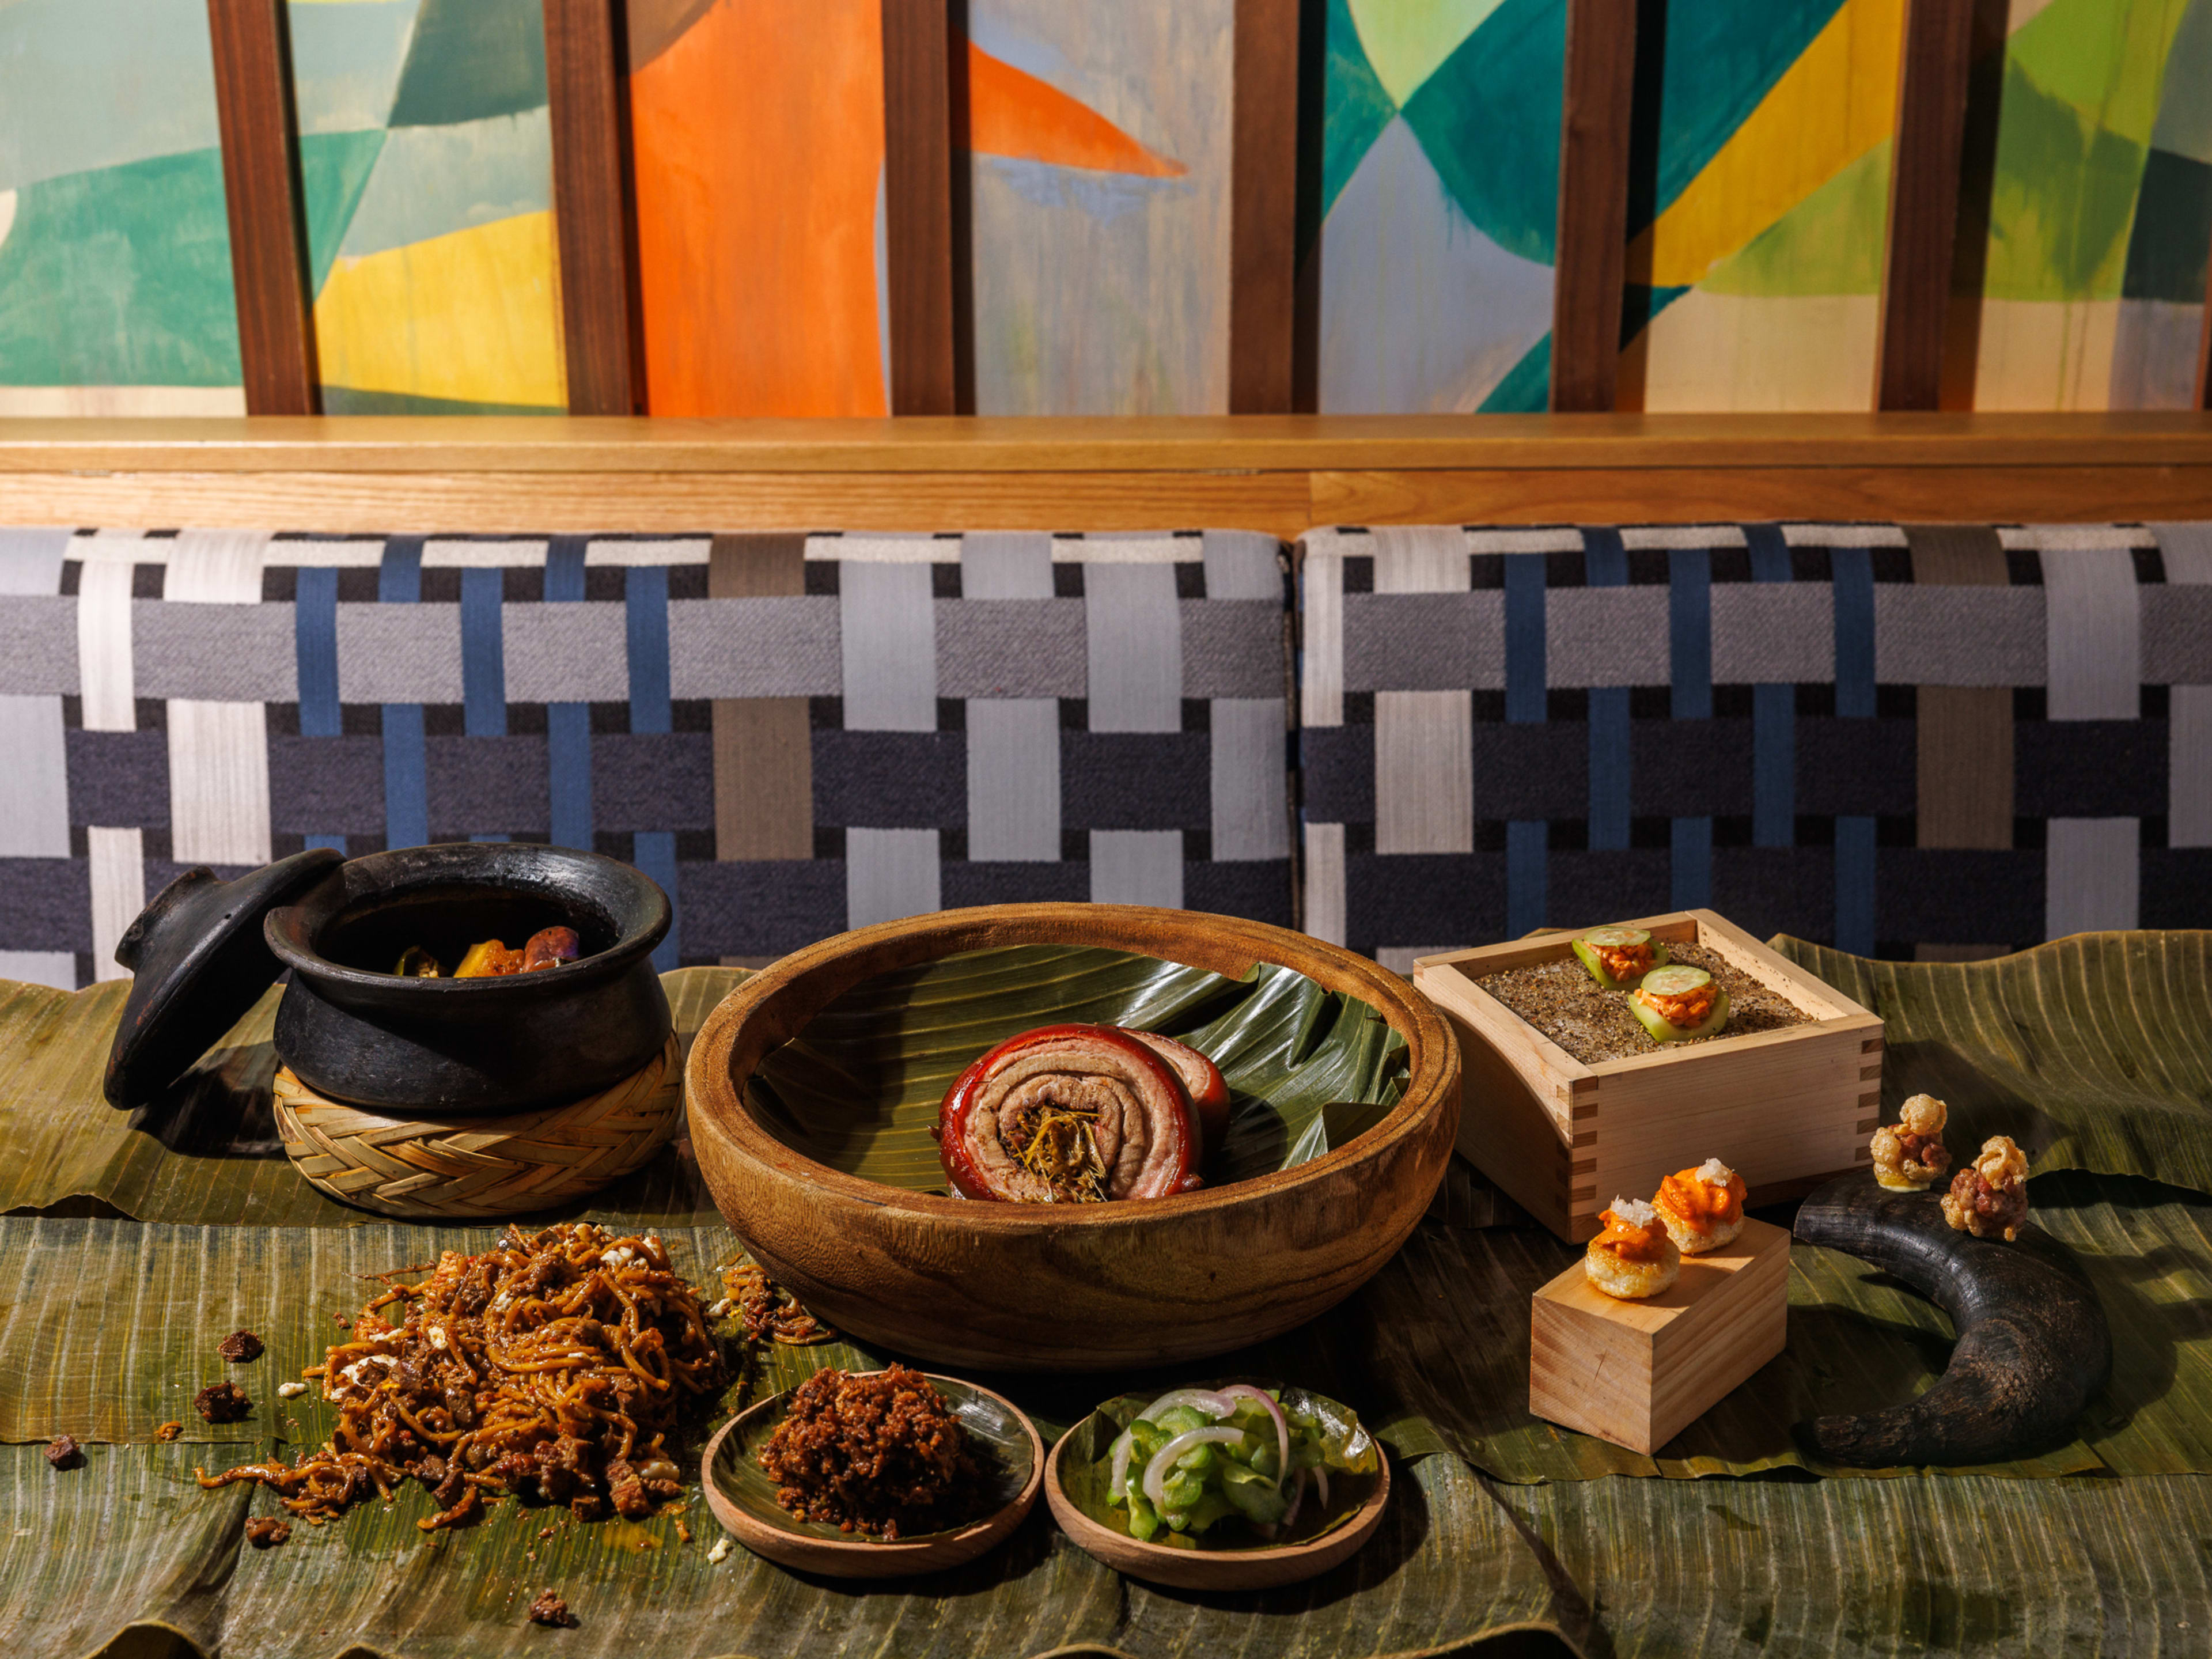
(1263, 208)
(592, 213)
(261, 191)
(1592, 246)
(2204, 346)
(1934, 70)
(918, 146)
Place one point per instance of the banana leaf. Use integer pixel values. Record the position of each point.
(1447, 1325)
(207, 1152)
(2091, 1051)
(1307, 1069)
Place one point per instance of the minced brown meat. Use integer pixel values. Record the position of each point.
(64, 1453)
(221, 1402)
(262, 1532)
(1984, 1209)
(882, 1454)
(240, 1347)
(550, 1609)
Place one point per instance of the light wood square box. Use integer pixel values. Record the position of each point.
(1638, 1373)
(1785, 1109)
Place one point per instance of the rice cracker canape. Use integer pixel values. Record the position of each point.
(1702, 1208)
(1633, 1258)
(1910, 1156)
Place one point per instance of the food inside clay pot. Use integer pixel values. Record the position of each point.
(1081, 1114)
(548, 947)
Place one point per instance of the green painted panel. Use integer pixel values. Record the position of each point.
(469, 59)
(346, 60)
(2064, 194)
(1357, 107)
(1831, 242)
(2106, 57)
(346, 400)
(121, 277)
(1489, 121)
(86, 84)
(1527, 387)
(334, 169)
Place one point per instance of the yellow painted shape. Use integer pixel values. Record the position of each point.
(473, 315)
(1835, 103)
(1405, 40)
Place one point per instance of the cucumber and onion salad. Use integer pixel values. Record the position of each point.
(1586, 950)
(1196, 1456)
(1675, 982)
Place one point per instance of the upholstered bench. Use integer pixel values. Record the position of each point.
(1943, 740)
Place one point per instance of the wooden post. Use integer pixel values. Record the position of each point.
(918, 149)
(262, 194)
(1923, 202)
(1263, 208)
(591, 210)
(2204, 347)
(1591, 249)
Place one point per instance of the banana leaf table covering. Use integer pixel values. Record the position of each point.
(131, 1244)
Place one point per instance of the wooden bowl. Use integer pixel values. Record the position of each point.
(741, 1498)
(1089, 1288)
(1213, 1569)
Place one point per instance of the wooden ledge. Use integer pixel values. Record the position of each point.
(1251, 443)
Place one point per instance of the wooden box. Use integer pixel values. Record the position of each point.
(1785, 1108)
(1638, 1373)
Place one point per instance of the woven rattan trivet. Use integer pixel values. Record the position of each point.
(459, 1167)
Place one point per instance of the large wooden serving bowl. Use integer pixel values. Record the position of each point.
(1078, 1287)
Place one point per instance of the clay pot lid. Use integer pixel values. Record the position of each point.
(199, 962)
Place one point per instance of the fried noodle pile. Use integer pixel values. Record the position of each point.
(553, 1367)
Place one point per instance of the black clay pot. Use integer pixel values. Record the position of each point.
(356, 1031)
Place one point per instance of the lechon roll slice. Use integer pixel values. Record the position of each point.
(1201, 1080)
(1068, 1115)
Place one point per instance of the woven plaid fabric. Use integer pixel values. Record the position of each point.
(1941, 741)
(793, 734)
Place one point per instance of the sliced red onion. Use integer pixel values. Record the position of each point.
(1321, 1482)
(1204, 1399)
(1297, 1497)
(1246, 1391)
(1156, 1472)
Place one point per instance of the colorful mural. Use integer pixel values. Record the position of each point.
(2100, 212)
(1100, 139)
(1440, 204)
(115, 284)
(757, 127)
(1758, 220)
(426, 157)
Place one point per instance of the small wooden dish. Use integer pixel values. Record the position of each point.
(1213, 1570)
(747, 1510)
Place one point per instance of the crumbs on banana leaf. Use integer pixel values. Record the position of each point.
(552, 1366)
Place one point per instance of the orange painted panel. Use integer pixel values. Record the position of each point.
(1011, 113)
(758, 137)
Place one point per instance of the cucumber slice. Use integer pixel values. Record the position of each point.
(1664, 1030)
(1675, 982)
(1613, 937)
(1588, 958)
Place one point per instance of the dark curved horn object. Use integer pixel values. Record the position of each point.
(2032, 1346)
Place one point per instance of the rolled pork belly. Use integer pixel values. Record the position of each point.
(1201, 1080)
(1068, 1115)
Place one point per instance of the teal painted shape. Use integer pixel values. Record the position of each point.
(431, 181)
(2172, 235)
(347, 400)
(1420, 311)
(334, 170)
(1489, 119)
(1527, 387)
(1355, 107)
(1720, 59)
(2185, 104)
(121, 277)
(474, 58)
(346, 61)
(88, 84)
